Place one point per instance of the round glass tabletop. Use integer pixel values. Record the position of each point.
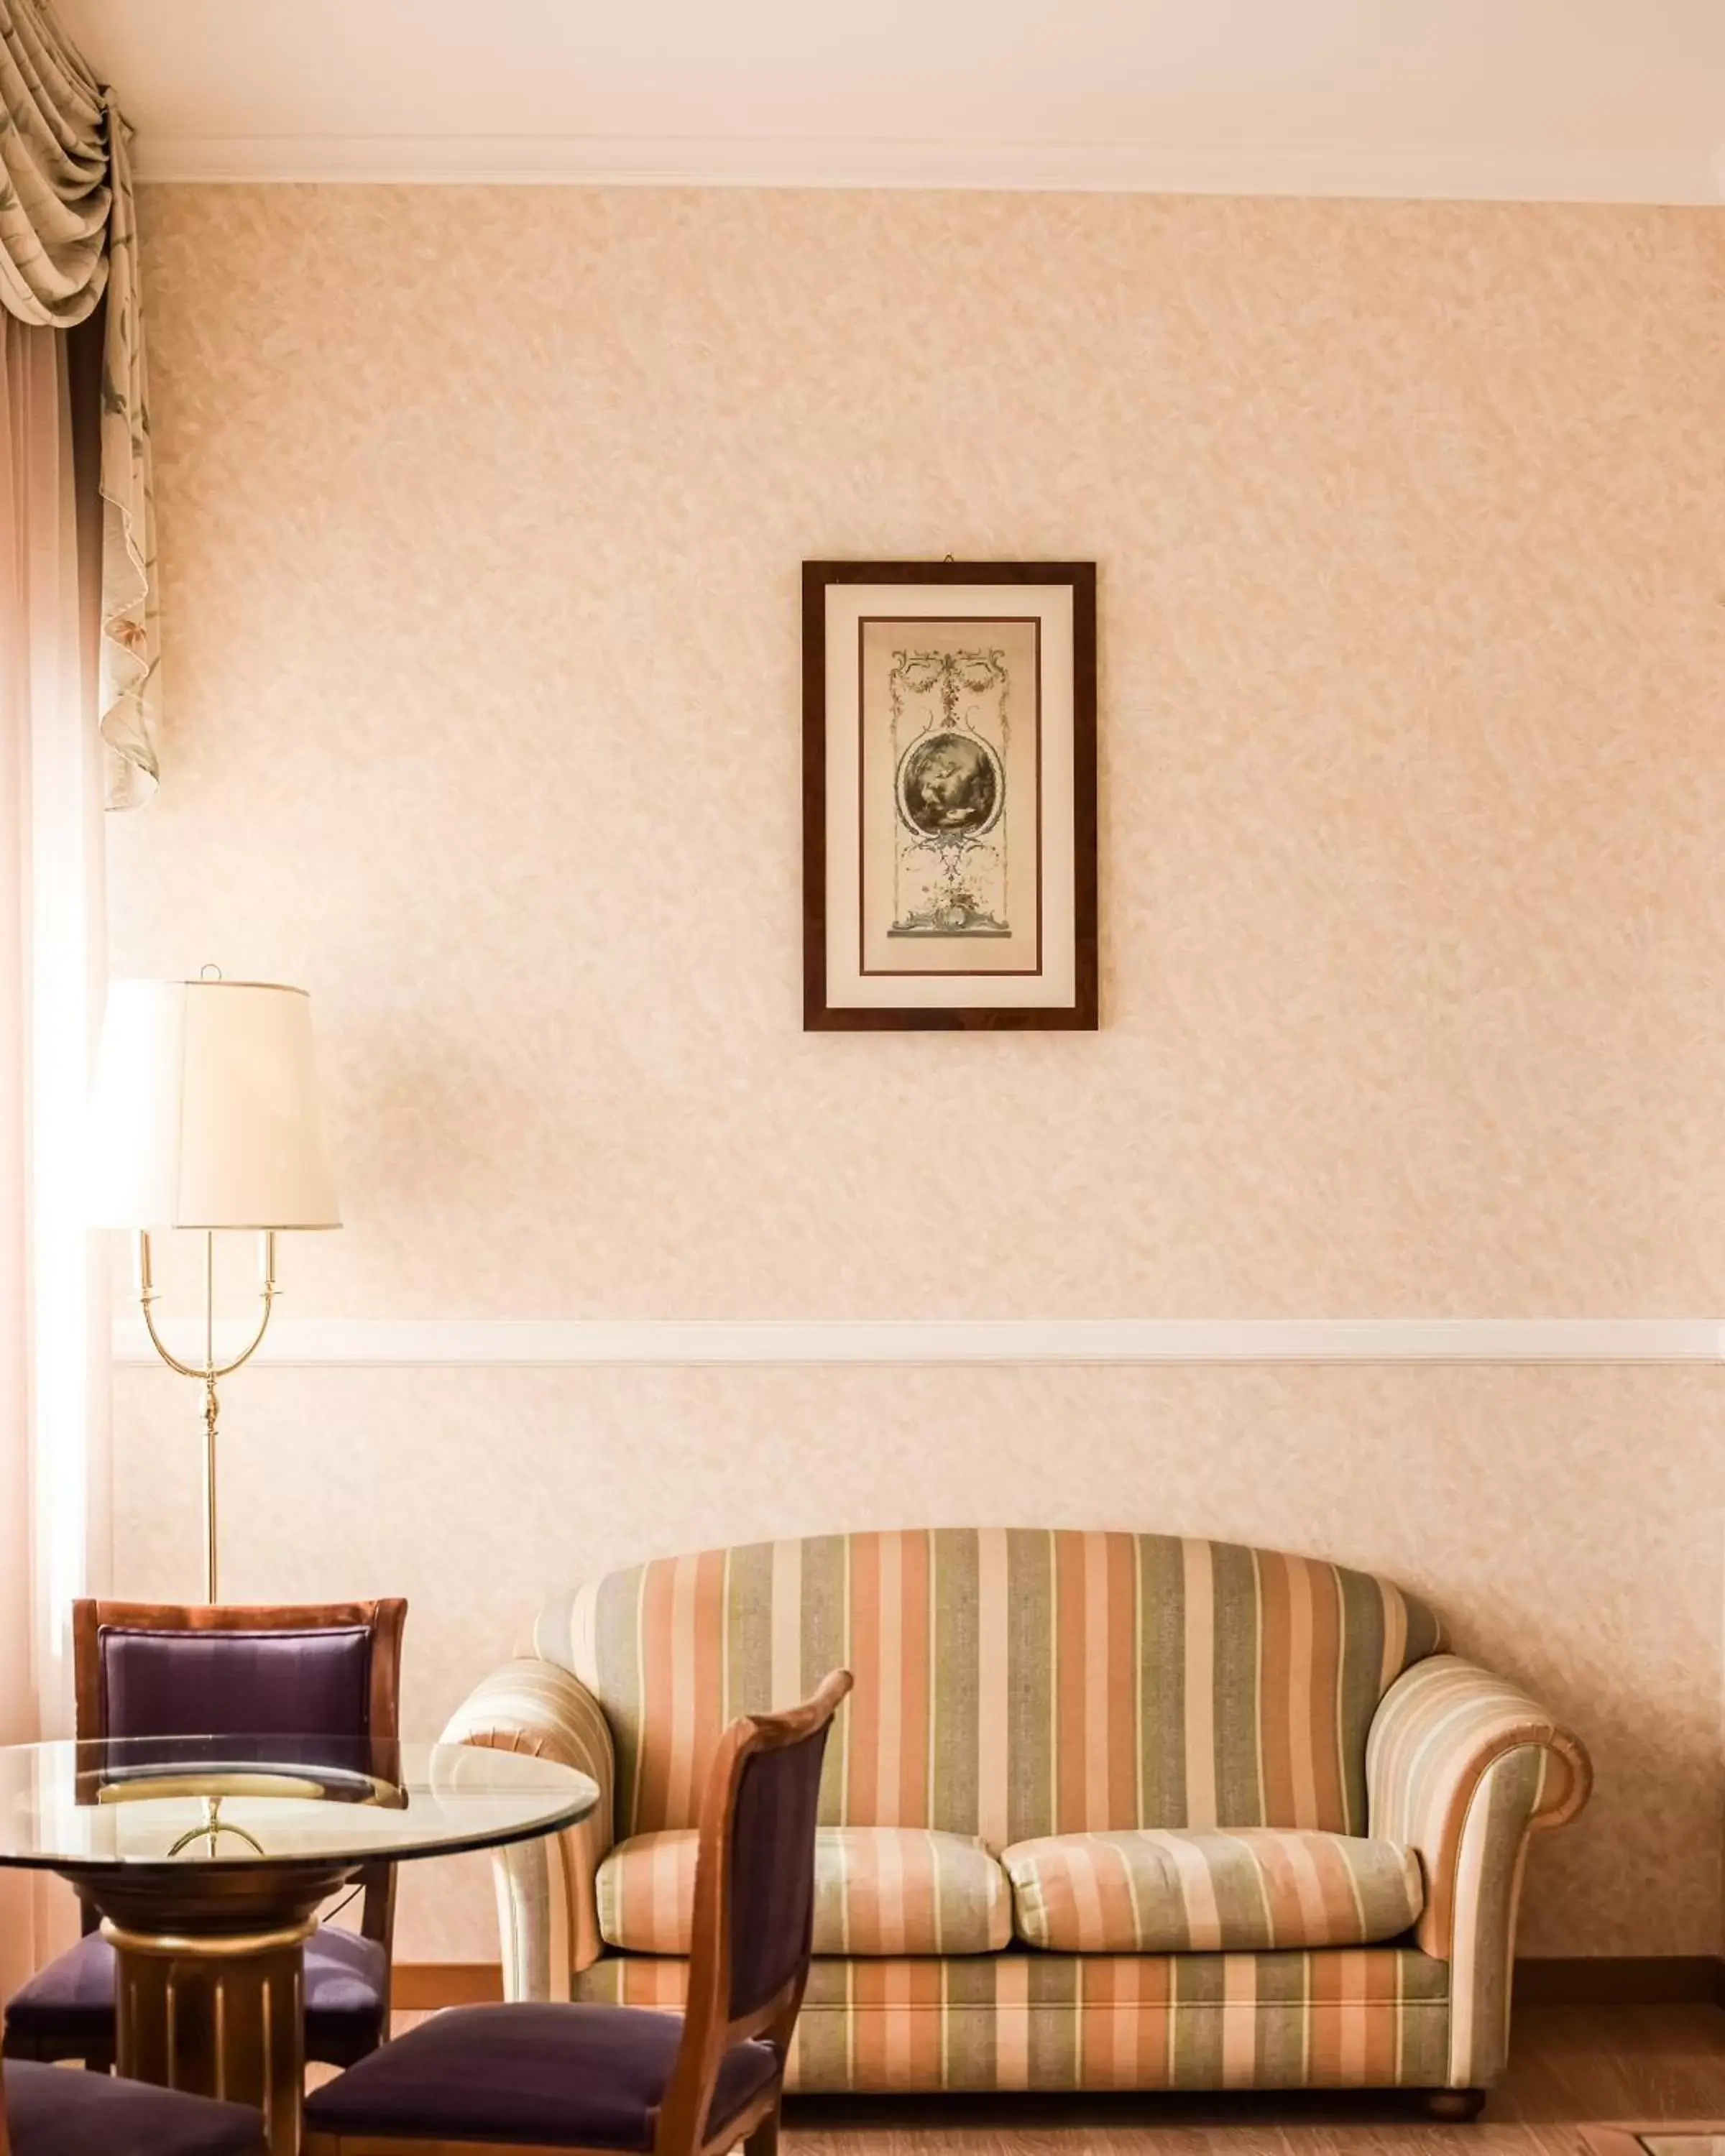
(238, 1800)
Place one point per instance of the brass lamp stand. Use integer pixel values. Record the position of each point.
(204, 1116)
(210, 1371)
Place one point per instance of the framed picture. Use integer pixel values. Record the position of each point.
(949, 794)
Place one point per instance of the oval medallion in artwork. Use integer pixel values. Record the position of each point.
(950, 786)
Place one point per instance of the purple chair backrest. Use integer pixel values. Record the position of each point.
(772, 1869)
(311, 1683)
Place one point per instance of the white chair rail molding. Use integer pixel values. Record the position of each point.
(386, 1343)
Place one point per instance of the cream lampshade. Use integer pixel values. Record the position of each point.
(206, 1112)
(205, 1115)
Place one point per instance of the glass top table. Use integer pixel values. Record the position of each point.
(108, 1805)
(208, 1860)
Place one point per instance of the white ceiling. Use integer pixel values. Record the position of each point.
(1589, 100)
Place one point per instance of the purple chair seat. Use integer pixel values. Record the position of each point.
(72, 2000)
(51, 2113)
(591, 2077)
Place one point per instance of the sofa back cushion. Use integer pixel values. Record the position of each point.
(1010, 1682)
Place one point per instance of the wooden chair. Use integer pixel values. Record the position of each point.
(45, 2113)
(546, 2080)
(329, 1671)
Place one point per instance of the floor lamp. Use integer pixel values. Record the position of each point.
(205, 1115)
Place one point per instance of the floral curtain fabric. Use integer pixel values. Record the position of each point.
(67, 234)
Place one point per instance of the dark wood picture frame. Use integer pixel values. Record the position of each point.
(818, 1015)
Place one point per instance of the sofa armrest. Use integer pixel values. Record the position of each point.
(547, 1914)
(1462, 1767)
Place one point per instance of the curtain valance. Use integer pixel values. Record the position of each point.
(67, 234)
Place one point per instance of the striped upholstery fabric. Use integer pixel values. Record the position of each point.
(646, 1893)
(1009, 1682)
(1133, 1692)
(1440, 1730)
(1488, 1886)
(877, 1891)
(1464, 1768)
(545, 1902)
(1174, 1891)
(1373, 2017)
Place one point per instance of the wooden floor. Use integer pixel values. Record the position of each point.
(1571, 2064)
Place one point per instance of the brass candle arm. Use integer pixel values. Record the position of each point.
(215, 1825)
(209, 1371)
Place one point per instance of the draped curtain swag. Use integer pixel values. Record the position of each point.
(67, 234)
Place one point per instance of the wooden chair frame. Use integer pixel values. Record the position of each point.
(709, 2028)
(384, 1619)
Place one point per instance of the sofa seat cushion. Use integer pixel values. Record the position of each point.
(877, 1891)
(1210, 1889)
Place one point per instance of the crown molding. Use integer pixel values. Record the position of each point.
(1451, 173)
(414, 1343)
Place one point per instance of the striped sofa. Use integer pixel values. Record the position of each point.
(1104, 1811)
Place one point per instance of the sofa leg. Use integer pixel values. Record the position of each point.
(1454, 2105)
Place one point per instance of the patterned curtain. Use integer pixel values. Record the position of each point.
(67, 234)
(53, 1321)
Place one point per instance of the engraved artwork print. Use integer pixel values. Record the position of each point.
(950, 796)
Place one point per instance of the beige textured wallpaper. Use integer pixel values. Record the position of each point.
(481, 517)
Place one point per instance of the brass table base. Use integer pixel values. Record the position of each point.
(218, 2016)
(210, 1984)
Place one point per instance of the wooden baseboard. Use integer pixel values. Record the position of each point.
(1621, 1980)
(1602, 1980)
(420, 1987)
